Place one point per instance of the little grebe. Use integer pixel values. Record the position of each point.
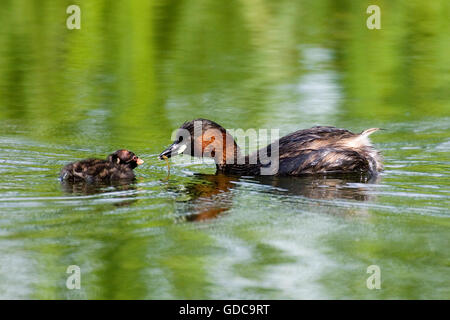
(118, 165)
(318, 150)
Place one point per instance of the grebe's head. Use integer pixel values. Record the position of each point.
(125, 157)
(203, 138)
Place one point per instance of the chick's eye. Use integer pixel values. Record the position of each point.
(180, 139)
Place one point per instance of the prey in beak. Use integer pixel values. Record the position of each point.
(139, 161)
(174, 149)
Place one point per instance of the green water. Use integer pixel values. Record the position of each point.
(136, 70)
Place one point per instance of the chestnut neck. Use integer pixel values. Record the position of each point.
(233, 162)
(230, 160)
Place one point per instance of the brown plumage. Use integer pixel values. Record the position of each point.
(318, 150)
(117, 166)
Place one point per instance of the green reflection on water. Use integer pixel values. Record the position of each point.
(136, 70)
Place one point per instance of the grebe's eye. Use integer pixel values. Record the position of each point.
(180, 139)
(134, 158)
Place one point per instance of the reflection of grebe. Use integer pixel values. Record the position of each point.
(83, 188)
(210, 195)
(326, 187)
(309, 151)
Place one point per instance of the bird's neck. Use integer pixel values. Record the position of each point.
(240, 166)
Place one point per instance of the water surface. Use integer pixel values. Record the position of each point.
(137, 70)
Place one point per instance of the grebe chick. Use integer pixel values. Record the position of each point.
(117, 166)
(318, 150)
